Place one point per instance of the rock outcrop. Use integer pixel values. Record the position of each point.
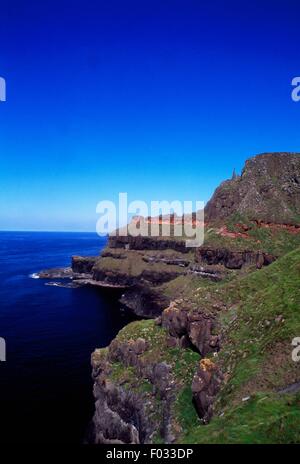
(83, 264)
(233, 259)
(192, 328)
(206, 384)
(119, 414)
(126, 414)
(268, 190)
(144, 301)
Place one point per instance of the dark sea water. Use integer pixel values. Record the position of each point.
(50, 332)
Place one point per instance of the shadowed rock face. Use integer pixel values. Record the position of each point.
(122, 415)
(147, 243)
(144, 301)
(267, 190)
(233, 259)
(193, 328)
(83, 264)
(206, 384)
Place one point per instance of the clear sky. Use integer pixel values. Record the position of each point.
(160, 99)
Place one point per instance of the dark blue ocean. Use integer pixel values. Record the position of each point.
(50, 332)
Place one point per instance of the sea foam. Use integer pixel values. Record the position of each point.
(34, 276)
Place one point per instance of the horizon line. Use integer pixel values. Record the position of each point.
(46, 230)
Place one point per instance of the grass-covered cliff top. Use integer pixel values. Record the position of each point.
(271, 238)
(134, 262)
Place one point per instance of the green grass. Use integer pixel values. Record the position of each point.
(277, 242)
(264, 419)
(186, 412)
(267, 319)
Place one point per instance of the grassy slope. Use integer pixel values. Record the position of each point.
(262, 319)
(275, 241)
(256, 356)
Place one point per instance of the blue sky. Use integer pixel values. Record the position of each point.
(160, 99)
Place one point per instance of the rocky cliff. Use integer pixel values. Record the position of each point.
(211, 359)
(268, 190)
(216, 367)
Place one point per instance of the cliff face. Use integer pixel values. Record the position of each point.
(145, 274)
(129, 384)
(212, 369)
(267, 190)
(83, 265)
(224, 313)
(137, 383)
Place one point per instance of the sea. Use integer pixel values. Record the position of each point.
(50, 332)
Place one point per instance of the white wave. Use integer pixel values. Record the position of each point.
(34, 276)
